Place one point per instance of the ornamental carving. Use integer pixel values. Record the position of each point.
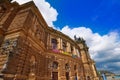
(37, 32)
(32, 68)
(8, 46)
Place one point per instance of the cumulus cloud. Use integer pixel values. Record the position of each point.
(21, 1)
(48, 12)
(103, 49)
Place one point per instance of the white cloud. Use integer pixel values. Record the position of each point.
(21, 1)
(105, 50)
(101, 48)
(48, 12)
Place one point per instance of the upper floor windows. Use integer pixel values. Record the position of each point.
(67, 66)
(54, 43)
(55, 65)
(64, 46)
(71, 47)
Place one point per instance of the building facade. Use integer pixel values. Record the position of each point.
(30, 50)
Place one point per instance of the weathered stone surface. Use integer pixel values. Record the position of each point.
(30, 50)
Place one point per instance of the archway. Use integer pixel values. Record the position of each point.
(67, 68)
(88, 78)
(67, 75)
(55, 70)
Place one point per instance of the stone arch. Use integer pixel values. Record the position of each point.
(54, 70)
(67, 68)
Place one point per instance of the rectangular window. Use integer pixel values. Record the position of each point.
(54, 43)
(71, 49)
(64, 46)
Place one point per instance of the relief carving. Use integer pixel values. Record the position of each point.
(37, 32)
(6, 51)
(32, 68)
(8, 46)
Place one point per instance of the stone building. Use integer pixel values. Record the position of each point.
(30, 50)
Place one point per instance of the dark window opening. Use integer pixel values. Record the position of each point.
(55, 65)
(74, 67)
(67, 75)
(71, 49)
(67, 67)
(64, 46)
(54, 43)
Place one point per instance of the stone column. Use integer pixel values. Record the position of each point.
(71, 72)
(61, 70)
(94, 72)
(68, 47)
(59, 43)
(78, 72)
(49, 41)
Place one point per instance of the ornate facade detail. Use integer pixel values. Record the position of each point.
(32, 68)
(8, 46)
(31, 50)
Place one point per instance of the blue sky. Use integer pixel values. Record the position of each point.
(101, 16)
(97, 21)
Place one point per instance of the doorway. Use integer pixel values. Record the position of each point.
(67, 75)
(54, 75)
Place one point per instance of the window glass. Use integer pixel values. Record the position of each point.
(54, 43)
(64, 46)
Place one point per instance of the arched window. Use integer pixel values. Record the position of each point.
(67, 67)
(88, 78)
(55, 65)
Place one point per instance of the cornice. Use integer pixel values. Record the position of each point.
(61, 35)
(63, 56)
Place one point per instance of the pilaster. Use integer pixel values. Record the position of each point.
(59, 43)
(61, 72)
(68, 47)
